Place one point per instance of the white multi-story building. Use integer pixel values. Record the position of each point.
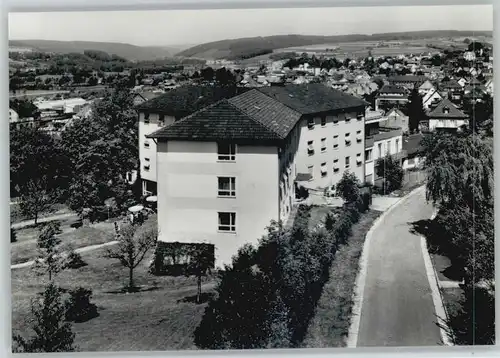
(163, 110)
(227, 170)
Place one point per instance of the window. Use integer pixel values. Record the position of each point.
(310, 147)
(347, 118)
(323, 170)
(335, 121)
(323, 145)
(397, 145)
(368, 155)
(226, 152)
(146, 167)
(359, 161)
(227, 186)
(359, 116)
(388, 147)
(380, 150)
(146, 144)
(310, 123)
(310, 170)
(336, 166)
(347, 162)
(146, 118)
(146, 159)
(335, 141)
(227, 222)
(323, 121)
(161, 119)
(347, 139)
(359, 137)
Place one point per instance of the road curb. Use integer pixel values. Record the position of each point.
(352, 337)
(435, 286)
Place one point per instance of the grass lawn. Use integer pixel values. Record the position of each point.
(156, 319)
(16, 216)
(25, 248)
(318, 215)
(331, 323)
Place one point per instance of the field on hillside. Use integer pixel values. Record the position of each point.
(361, 48)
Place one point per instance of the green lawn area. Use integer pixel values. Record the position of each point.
(16, 216)
(148, 320)
(26, 250)
(318, 215)
(330, 325)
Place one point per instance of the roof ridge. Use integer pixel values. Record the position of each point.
(284, 104)
(184, 119)
(253, 118)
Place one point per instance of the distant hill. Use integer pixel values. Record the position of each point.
(128, 51)
(237, 49)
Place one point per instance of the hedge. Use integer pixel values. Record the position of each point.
(267, 297)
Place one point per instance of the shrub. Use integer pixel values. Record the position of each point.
(348, 187)
(78, 306)
(74, 260)
(329, 221)
(273, 289)
(13, 235)
(391, 172)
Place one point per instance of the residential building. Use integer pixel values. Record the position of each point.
(446, 116)
(407, 81)
(451, 88)
(331, 132)
(391, 96)
(397, 119)
(164, 110)
(426, 87)
(142, 97)
(413, 148)
(431, 99)
(230, 167)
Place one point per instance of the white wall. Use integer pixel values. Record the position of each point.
(335, 126)
(188, 204)
(149, 153)
(446, 123)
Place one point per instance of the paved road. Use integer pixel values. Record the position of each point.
(22, 224)
(397, 307)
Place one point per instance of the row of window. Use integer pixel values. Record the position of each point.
(369, 152)
(311, 122)
(336, 168)
(310, 144)
(225, 152)
(161, 119)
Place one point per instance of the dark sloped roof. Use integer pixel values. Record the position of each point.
(312, 98)
(407, 78)
(392, 89)
(268, 111)
(453, 111)
(450, 84)
(219, 121)
(185, 100)
(412, 144)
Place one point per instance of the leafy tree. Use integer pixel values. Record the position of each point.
(329, 222)
(348, 187)
(52, 334)
(36, 162)
(207, 74)
(391, 171)
(416, 111)
(459, 169)
(35, 199)
(52, 261)
(132, 247)
(74, 260)
(101, 150)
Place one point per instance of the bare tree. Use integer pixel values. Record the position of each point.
(133, 244)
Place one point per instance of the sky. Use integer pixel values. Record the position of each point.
(183, 27)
